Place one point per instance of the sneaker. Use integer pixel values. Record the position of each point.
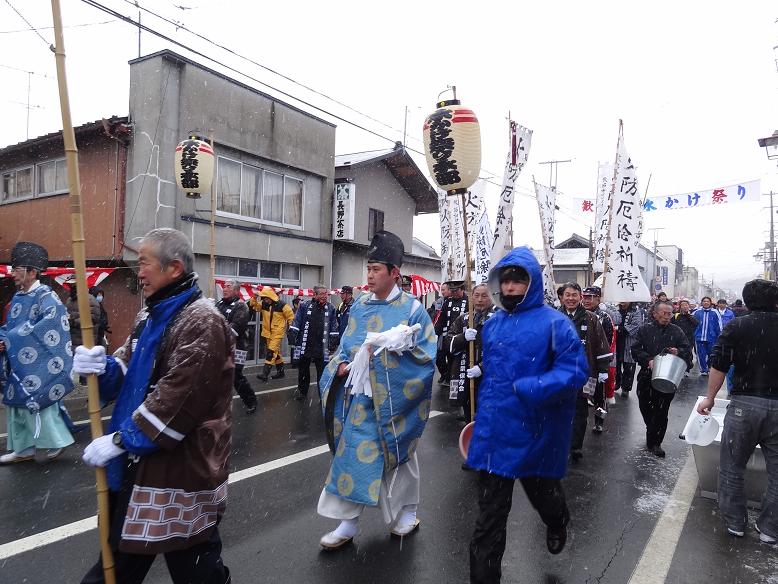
(657, 451)
(556, 537)
(53, 453)
(611, 401)
(14, 457)
(703, 374)
(735, 532)
(763, 537)
(597, 429)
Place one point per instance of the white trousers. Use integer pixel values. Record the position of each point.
(399, 489)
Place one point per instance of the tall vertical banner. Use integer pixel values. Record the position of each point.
(456, 263)
(483, 249)
(521, 140)
(474, 207)
(343, 212)
(622, 279)
(445, 235)
(546, 198)
(604, 180)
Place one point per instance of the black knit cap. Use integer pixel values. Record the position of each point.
(29, 255)
(513, 274)
(386, 248)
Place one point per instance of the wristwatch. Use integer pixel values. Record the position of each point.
(117, 439)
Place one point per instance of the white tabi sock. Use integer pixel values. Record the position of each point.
(407, 516)
(347, 528)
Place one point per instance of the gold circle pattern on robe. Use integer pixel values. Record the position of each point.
(367, 451)
(345, 484)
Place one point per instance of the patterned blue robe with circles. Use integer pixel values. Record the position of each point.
(379, 433)
(38, 349)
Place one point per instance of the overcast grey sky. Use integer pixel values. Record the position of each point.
(694, 82)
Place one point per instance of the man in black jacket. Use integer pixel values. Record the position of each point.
(687, 323)
(452, 307)
(236, 312)
(750, 343)
(457, 342)
(657, 336)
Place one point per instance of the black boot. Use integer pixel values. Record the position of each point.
(279, 372)
(265, 373)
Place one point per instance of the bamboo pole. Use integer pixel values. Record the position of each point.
(610, 208)
(212, 283)
(469, 288)
(79, 262)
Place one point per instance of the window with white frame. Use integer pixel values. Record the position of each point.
(257, 194)
(46, 178)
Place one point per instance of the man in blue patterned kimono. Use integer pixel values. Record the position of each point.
(374, 431)
(35, 342)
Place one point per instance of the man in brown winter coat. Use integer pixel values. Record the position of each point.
(167, 449)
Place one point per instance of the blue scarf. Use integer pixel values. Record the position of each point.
(141, 367)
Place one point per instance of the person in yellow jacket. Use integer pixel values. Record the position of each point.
(276, 317)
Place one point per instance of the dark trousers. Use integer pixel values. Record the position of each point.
(495, 495)
(199, 564)
(654, 406)
(441, 362)
(599, 401)
(579, 422)
(625, 375)
(304, 372)
(242, 387)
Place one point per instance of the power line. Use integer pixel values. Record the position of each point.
(51, 27)
(27, 22)
(26, 71)
(180, 25)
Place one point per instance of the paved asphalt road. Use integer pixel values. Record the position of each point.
(630, 519)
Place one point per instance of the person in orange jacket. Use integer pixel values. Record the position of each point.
(276, 317)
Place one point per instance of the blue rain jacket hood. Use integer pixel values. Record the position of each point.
(534, 366)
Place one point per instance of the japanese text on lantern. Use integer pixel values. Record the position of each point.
(190, 178)
(441, 147)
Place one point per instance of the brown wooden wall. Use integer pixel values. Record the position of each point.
(46, 221)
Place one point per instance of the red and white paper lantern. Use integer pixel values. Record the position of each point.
(193, 167)
(452, 143)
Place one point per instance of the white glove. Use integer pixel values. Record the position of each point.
(470, 334)
(101, 450)
(602, 377)
(86, 361)
(474, 371)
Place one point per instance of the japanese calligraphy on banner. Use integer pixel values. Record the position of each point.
(600, 237)
(585, 206)
(622, 279)
(521, 140)
(343, 211)
(745, 192)
(474, 208)
(483, 249)
(452, 238)
(546, 205)
(445, 234)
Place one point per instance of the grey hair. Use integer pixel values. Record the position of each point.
(169, 245)
(319, 287)
(480, 286)
(232, 283)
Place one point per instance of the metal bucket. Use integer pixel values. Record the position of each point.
(667, 373)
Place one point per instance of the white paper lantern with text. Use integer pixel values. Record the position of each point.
(452, 144)
(193, 167)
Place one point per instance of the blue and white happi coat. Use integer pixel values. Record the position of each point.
(38, 349)
(379, 433)
(302, 323)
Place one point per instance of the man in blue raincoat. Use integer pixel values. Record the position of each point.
(374, 424)
(533, 366)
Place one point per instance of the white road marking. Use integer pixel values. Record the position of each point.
(26, 544)
(659, 549)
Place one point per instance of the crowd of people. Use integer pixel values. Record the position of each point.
(537, 373)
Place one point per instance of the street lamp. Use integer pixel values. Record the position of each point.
(770, 144)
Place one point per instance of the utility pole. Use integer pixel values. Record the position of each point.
(772, 239)
(653, 272)
(554, 165)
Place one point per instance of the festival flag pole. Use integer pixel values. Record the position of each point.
(610, 206)
(79, 263)
(470, 317)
